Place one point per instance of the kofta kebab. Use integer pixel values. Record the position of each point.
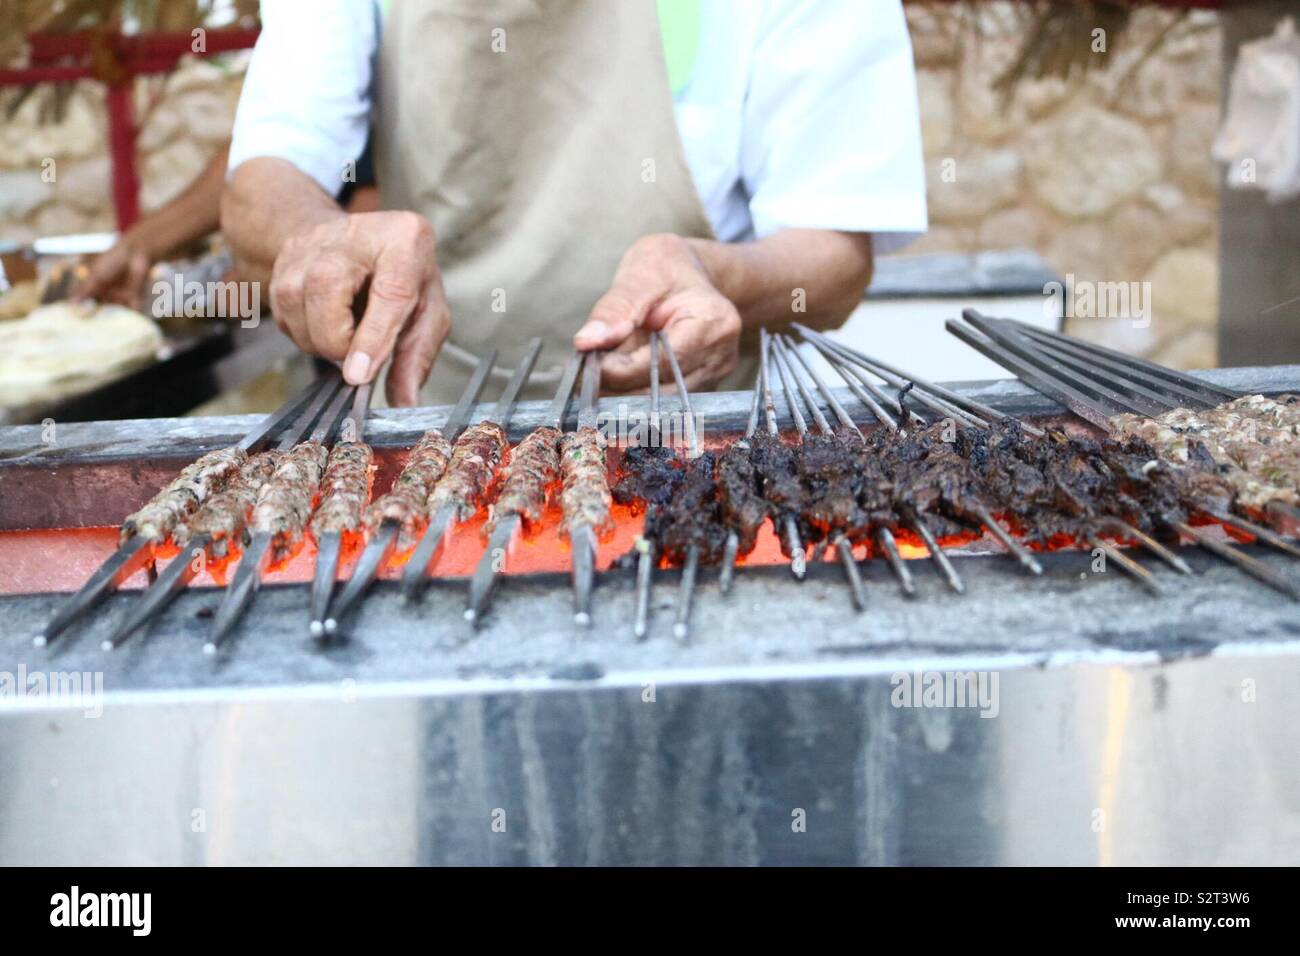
(934, 469)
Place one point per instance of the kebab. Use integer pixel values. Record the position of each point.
(526, 485)
(201, 546)
(1094, 399)
(278, 521)
(463, 487)
(149, 527)
(344, 493)
(1251, 438)
(585, 497)
(650, 477)
(396, 519)
(1099, 396)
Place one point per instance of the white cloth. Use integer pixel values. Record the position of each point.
(1260, 138)
(798, 114)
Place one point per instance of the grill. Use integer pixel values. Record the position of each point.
(535, 700)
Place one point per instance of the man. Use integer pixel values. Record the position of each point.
(583, 171)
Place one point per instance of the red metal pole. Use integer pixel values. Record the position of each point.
(121, 146)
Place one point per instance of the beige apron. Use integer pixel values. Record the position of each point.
(538, 137)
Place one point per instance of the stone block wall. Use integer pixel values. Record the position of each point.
(1108, 175)
(184, 117)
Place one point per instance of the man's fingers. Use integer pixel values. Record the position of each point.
(395, 288)
(329, 285)
(287, 304)
(416, 350)
(137, 270)
(617, 314)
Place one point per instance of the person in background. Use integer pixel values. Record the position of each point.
(121, 274)
(586, 172)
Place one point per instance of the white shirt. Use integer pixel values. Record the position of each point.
(798, 113)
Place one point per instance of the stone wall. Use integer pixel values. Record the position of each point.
(1108, 175)
(185, 117)
(1109, 179)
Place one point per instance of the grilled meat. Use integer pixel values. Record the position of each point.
(650, 477)
(740, 495)
(534, 468)
(344, 489)
(778, 478)
(404, 504)
(1253, 441)
(585, 498)
(284, 503)
(693, 516)
(195, 484)
(224, 516)
(474, 460)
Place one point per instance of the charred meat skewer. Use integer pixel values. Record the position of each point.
(839, 482)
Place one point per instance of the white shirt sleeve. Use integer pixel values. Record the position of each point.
(307, 93)
(832, 132)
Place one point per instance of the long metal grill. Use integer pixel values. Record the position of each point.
(930, 468)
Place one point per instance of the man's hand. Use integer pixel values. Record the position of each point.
(117, 275)
(662, 284)
(321, 269)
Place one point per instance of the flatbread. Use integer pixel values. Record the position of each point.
(63, 342)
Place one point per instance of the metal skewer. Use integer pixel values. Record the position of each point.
(1252, 566)
(415, 574)
(941, 400)
(582, 537)
(1150, 372)
(381, 543)
(1013, 340)
(1145, 577)
(137, 551)
(647, 552)
(330, 545)
(843, 549)
(1022, 554)
(503, 535)
(1151, 544)
(731, 546)
(787, 526)
(256, 558)
(690, 567)
(184, 567)
(1036, 373)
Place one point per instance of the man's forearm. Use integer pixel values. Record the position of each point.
(814, 276)
(264, 203)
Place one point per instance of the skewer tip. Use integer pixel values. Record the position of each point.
(39, 641)
(106, 645)
(317, 628)
(471, 615)
(209, 649)
(680, 631)
(331, 625)
(582, 619)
